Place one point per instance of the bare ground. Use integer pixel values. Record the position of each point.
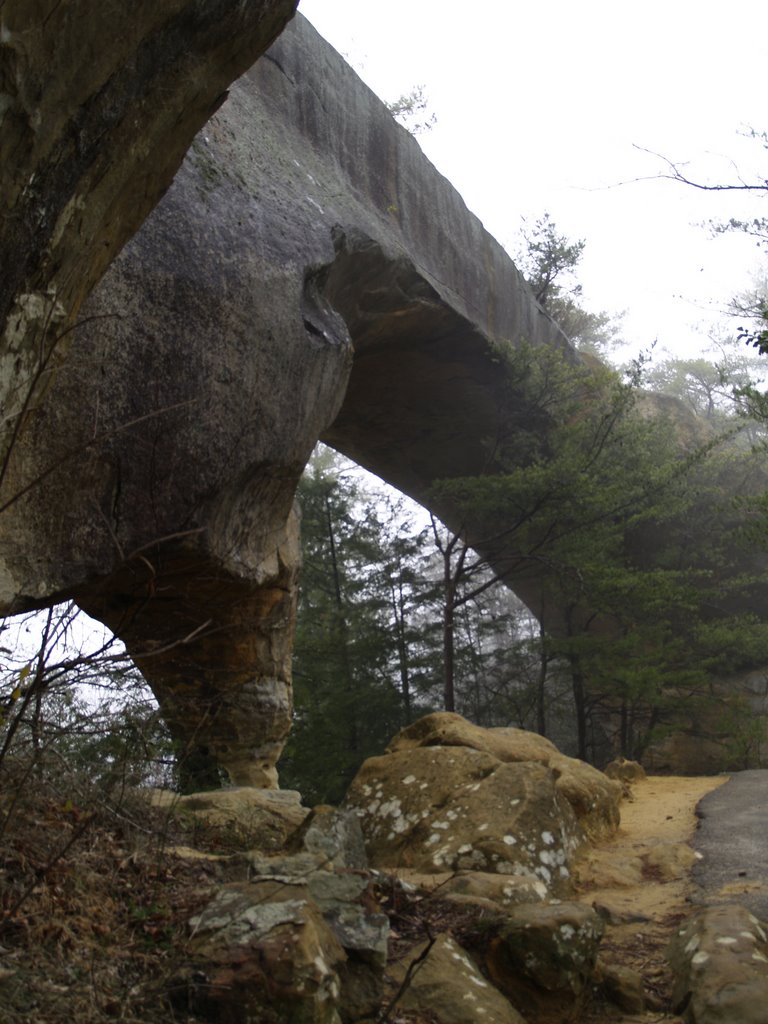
(646, 909)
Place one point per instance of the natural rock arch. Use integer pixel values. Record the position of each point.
(309, 274)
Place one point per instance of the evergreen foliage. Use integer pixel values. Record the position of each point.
(369, 655)
(356, 652)
(575, 509)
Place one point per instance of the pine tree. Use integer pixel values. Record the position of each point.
(355, 655)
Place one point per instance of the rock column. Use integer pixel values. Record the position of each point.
(216, 650)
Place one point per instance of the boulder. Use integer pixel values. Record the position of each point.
(543, 957)
(453, 808)
(446, 983)
(625, 771)
(622, 986)
(262, 951)
(500, 891)
(240, 817)
(594, 798)
(720, 964)
(307, 946)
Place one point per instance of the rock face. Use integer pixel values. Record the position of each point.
(99, 105)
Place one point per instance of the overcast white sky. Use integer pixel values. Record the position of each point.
(541, 107)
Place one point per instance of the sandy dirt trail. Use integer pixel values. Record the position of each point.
(640, 882)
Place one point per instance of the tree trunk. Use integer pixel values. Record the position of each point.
(580, 704)
(449, 701)
(449, 653)
(624, 750)
(398, 610)
(353, 741)
(541, 682)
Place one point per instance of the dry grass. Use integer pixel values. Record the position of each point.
(93, 912)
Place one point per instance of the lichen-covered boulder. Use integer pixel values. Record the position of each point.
(436, 809)
(308, 947)
(449, 986)
(543, 957)
(488, 889)
(262, 951)
(593, 796)
(720, 963)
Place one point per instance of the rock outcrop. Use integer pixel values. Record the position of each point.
(443, 809)
(99, 105)
(309, 932)
(293, 932)
(593, 797)
(449, 796)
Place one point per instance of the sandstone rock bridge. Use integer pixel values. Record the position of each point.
(309, 274)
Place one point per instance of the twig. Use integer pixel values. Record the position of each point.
(412, 968)
(52, 860)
